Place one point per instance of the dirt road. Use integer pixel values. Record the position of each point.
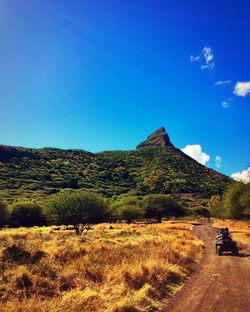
(221, 284)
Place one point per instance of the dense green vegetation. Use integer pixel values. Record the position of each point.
(39, 173)
(80, 209)
(26, 213)
(234, 204)
(157, 206)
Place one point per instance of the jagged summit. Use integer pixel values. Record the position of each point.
(157, 138)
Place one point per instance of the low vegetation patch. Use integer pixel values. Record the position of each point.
(116, 269)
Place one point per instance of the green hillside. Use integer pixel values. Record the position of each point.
(38, 173)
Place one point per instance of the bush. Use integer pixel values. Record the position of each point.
(236, 201)
(215, 206)
(234, 204)
(3, 213)
(17, 253)
(201, 211)
(26, 214)
(24, 281)
(127, 208)
(78, 208)
(158, 206)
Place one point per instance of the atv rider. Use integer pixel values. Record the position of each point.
(220, 233)
(223, 234)
(224, 242)
(226, 234)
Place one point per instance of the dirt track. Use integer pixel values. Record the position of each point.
(221, 284)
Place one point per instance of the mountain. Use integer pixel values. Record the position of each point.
(156, 166)
(157, 138)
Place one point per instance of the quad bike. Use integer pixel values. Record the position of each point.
(226, 244)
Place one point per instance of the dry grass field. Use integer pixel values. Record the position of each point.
(239, 230)
(125, 269)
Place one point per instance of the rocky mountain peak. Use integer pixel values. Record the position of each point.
(157, 138)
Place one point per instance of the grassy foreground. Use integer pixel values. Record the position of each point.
(126, 269)
(240, 231)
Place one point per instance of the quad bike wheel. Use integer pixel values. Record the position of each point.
(235, 251)
(219, 250)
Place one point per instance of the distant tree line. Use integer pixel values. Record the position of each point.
(81, 208)
(234, 204)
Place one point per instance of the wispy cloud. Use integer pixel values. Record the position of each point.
(208, 66)
(242, 88)
(225, 104)
(195, 58)
(195, 151)
(222, 82)
(218, 161)
(243, 176)
(205, 58)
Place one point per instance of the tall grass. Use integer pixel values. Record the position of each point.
(125, 269)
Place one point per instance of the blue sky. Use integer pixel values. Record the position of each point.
(103, 74)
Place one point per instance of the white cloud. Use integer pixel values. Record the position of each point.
(208, 54)
(205, 58)
(222, 82)
(195, 151)
(242, 88)
(195, 58)
(225, 104)
(218, 161)
(243, 176)
(208, 66)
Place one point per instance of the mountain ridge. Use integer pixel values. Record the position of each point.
(155, 166)
(158, 138)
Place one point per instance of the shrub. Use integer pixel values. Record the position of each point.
(16, 254)
(46, 288)
(215, 206)
(3, 213)
(236, 200)
(201, 211)
(78, 208)
(24, 281)
(158, 206)
(27, 214)
(127, 208)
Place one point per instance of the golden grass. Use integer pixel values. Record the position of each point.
(240, 230)
(129, 268)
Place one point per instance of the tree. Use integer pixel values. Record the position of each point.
(236, 200)
(78, 208)
(3, 213)
(244, 200)
(26, 213)
(215, 206)
(158, 206)
(127, 208)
